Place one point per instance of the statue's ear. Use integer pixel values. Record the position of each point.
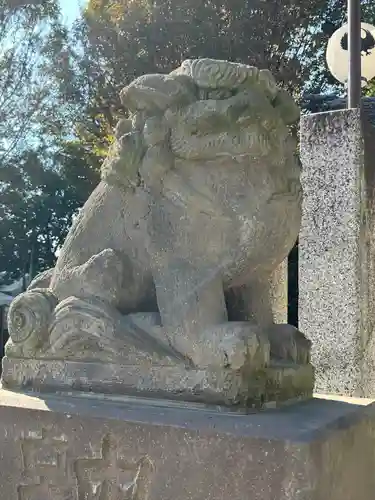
(288, 109)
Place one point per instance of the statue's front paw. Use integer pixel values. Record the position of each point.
(240, 344)
(288, 344)
(228, 345)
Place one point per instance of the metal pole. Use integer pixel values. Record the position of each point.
(354, 47)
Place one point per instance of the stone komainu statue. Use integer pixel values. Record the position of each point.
(166, 269)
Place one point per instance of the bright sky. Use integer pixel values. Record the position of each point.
(70, 9)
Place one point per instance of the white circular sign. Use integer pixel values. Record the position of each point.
(338, 55)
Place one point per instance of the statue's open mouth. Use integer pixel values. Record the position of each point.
(213, 108)
(245, 123)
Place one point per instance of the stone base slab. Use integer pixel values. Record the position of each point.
(278, 385)
(91, 447)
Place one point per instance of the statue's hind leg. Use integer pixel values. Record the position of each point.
(251, 302)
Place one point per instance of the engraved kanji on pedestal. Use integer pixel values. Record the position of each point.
(44, 491)
(46, 474)
(111, 477)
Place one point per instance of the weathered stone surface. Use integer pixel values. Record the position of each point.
(279, 293)
(197, 208)
(265, 387)
(90, 448)
(336, 249)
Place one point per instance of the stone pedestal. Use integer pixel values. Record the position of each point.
(336, 250)
(96, 448)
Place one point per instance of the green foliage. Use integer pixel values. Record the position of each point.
(116, 41)
(37, 205)
(333, 17)
(59, 89)
(22, 88)
(39, 188)
(370, 89)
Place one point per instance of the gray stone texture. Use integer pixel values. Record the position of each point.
(280, 382)
(174, 265)
(336, 250)
(92, 448)
(279, 293)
